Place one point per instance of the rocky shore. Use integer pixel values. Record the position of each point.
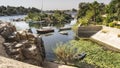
(21, 45)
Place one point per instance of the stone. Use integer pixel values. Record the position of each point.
(19, 45)
(6, 30)
(23, 35)
(13, 29)
(33, 53)
(9, 45)
(17, 36)
(18, 57)
(4, 34)
(30, 52)
(40, 46)
(26, 44)
(6, 44)
(30, 35)
(1, 29)
(22, 45)
(11, 38)
(14, 51)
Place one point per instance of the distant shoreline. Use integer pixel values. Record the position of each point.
(13, 15)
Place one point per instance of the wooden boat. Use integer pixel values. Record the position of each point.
(64, 28)
(44, 31)
(17, 20)
(64, 33)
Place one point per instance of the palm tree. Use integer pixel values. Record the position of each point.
(95, 7)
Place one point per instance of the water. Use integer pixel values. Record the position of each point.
(22, 25)
(73, 22)
(50, 40)
(9, 18)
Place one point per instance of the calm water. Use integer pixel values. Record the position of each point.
(50, 40)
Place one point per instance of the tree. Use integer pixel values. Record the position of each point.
(74, 10)
(91, 11)
(10, 10)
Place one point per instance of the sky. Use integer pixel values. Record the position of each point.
(48, 4)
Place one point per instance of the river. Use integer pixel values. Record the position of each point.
(50, 40)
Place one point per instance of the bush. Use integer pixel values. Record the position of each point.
(65, 53)
(111, 24)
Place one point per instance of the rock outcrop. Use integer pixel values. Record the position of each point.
(22, 45)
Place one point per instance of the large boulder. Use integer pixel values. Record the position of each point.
(22, 45)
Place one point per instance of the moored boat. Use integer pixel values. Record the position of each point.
(64, 28)
(44, 31)
(64, 33)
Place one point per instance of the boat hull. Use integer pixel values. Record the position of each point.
(45, 31)
(64, 33)
(63, 29)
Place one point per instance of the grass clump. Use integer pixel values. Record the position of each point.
(65, 53)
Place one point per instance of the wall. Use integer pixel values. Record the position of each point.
(87, 31)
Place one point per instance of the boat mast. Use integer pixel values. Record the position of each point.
(42, 7)
(40, 23)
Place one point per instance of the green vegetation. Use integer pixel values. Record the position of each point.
(96, 55)
(9, 10)
(54, 18)
(90, 12)
(99, 13)
(36, 16)
(65, 53)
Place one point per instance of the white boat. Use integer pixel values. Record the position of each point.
(64, 33)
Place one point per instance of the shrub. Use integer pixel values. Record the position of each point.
(111, 24)
(65, 53)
